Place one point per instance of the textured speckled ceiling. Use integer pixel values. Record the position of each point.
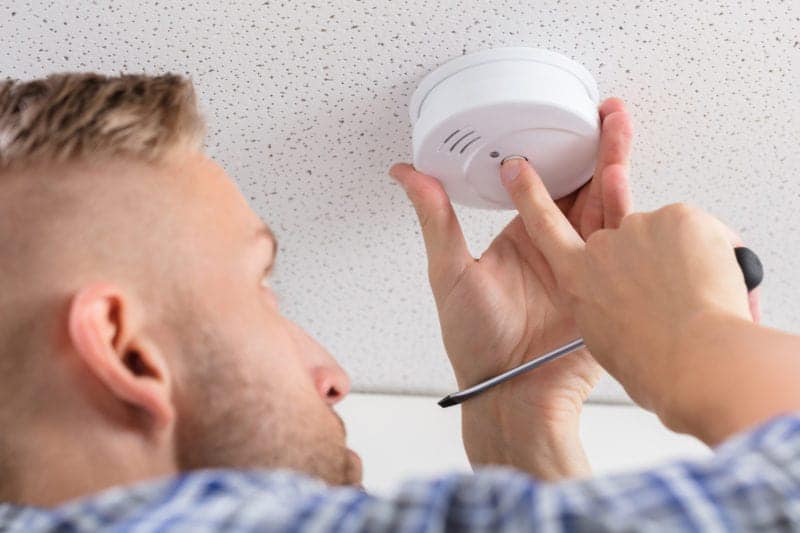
(307, 108)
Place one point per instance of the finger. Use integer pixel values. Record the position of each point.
(611, 105)
(615, 145)
(444, 241)
(615, 140)
(547, 227)
(617, 199)
(574, 214)
(566, 203)
(754, 301)
(589, 206)
(592, 213)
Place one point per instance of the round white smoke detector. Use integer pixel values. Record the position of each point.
(477, 109)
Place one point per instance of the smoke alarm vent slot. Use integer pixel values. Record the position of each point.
(461, 139)
(467, 145)
(450, 136)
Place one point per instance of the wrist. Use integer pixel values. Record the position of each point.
(707, 394)
(499, 429)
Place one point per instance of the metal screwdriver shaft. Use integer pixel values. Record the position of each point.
(753, 273)
(466, 394)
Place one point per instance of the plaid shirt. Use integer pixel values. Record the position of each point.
(752, 483)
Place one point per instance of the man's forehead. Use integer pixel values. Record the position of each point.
(221, 180)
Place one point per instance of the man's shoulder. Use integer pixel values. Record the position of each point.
(764, 460)
(225, 499)
(209, 498)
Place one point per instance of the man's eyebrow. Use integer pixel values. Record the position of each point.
(263, 232)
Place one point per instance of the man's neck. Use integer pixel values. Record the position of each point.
(58, 469)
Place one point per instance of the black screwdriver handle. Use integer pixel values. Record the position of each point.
(751, 267)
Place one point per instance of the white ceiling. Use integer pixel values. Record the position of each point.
(307, 108)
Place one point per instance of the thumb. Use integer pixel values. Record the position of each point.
(445, 245)
(546, 225)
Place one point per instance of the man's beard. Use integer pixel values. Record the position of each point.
(228, 419)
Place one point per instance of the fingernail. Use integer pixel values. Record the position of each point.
(509, 169)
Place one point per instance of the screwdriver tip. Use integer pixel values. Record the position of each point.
(447, 401)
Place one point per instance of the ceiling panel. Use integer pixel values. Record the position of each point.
(307, 108)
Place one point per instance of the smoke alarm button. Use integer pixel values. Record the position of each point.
(477, 109)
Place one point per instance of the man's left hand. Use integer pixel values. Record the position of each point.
(504, 308)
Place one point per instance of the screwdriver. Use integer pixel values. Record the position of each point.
(753, 273)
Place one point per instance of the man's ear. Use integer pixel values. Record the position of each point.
(105, 328)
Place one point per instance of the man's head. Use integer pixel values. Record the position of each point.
(138, 335)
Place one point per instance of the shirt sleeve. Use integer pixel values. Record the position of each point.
(751, 483)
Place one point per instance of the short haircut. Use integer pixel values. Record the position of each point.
(82, 117)
(69, 116)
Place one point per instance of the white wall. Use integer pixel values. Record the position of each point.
(403, 436)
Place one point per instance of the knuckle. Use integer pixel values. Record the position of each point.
(430, 213)
(682, 215)
(677, 211)
(598, 242)
(424, 220)
(632, 219)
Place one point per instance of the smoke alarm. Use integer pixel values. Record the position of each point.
(474, 111)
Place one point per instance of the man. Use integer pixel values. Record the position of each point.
(150, 382)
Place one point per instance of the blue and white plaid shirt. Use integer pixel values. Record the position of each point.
(752, 483)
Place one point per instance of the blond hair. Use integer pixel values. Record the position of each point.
(71, 116)
(62, 118)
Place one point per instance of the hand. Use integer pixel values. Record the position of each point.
(504, 308)
(643, 293)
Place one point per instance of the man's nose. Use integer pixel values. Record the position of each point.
(330, 379)
(332, 382)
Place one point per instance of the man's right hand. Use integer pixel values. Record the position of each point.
(642, 292)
